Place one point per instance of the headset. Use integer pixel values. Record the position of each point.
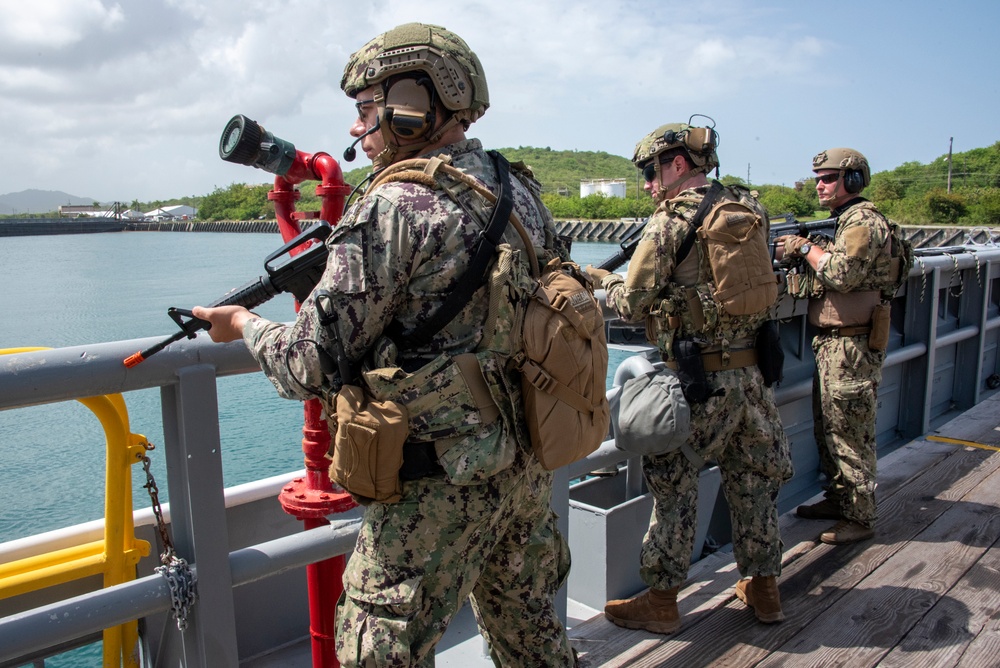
(409, 107)
(854, 181)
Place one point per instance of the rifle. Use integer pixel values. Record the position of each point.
(628, 247)
(297, 274)
(824, 228)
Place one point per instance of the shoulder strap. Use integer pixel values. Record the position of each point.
(483, 254)
(706, 203)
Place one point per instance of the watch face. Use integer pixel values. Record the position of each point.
(804, 249)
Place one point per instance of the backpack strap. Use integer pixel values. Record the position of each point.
(484, 252)
(706, 203)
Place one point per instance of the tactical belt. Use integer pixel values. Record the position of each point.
(845, 331)
(713, 361)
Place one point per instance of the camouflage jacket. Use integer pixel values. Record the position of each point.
(656, 291)
(857, 260)
(395, 256)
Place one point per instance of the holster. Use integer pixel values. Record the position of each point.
(770, 355)
(691, 371)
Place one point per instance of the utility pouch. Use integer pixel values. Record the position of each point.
(367, 445)
(878, 338)
(770, 355)
(691, 371)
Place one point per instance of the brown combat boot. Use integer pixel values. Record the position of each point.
(845, 532)
(827, 509)
(761, 593)
(655, 611)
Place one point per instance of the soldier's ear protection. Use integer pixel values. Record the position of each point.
(409, 107)
(854, 181)
(701, 141)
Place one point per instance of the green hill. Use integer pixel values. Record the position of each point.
(911, 193)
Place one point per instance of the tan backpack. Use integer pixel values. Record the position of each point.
(564, 366)
(735, 240)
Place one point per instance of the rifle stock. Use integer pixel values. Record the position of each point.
(296, 274)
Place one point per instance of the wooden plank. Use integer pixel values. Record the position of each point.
(809, 585)
(867, 622)
(962, 629)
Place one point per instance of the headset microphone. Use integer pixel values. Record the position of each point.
(350, 153)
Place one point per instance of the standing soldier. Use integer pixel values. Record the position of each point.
(849, 283)
(471, 515)
(671, 286)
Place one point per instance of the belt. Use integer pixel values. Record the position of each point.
(845, 331)
(713, 361)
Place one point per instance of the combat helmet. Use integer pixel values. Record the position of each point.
(852, 165)
(699, 143)
(451, 71)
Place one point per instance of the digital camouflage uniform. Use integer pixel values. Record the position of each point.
(484, 530)
(739, 428)
(848, 371)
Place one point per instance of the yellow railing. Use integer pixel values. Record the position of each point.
(116, 556)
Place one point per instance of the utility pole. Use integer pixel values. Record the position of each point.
(950, 139)
(748, 175)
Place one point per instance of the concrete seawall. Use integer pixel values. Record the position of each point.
(609, 231)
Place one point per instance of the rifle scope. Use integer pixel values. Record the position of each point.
(246, 142)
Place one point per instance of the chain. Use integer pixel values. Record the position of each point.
(180, 578)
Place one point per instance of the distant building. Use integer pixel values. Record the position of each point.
(77, 210)
(606, 187)
(175, 212)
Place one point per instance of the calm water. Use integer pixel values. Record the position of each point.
(78, 289)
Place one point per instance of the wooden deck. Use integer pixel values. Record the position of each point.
(924, 592)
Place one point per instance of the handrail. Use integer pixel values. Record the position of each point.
(116, 555)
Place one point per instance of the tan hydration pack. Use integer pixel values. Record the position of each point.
(735, 240)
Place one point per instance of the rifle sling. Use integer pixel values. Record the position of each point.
(472, 279)
(699, 215)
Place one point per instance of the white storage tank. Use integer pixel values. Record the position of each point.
(613, 188)
(588, 188)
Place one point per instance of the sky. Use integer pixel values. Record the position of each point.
(122, 100)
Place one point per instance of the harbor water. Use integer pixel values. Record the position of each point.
(75, 290)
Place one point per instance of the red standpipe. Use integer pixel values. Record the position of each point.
(312, 498)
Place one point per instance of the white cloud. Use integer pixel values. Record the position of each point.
(126, 99)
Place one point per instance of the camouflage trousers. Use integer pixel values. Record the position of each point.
(416, 561)
(741, 430)
(845, 388)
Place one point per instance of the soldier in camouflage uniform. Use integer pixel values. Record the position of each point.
(474, 516)
(849, 282)
(738, 425)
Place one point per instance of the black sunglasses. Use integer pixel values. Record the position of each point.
(649, 172)
(828, 178)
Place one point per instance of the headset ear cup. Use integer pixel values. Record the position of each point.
(853, 181)
(410, 108)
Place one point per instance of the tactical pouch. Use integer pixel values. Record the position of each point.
(770, 355)
(367, 447)
(691, 371)
(878, 338)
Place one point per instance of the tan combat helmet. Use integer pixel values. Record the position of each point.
(850, 163)
(406, 107)
(698, 142)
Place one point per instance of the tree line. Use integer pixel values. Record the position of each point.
(911, 194)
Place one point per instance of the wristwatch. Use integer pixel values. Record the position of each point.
(805, 248)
